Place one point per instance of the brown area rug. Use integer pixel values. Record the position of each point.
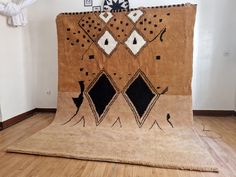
(125, 90)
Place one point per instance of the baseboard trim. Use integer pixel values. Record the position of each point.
(21, 117)
(216, 113)
(46, 110)
(17, 119)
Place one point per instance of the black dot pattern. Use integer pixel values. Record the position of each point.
(92, 25)
(151, 26)
(121, 26)
(78, 38)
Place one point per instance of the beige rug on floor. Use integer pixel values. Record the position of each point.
(125, 90)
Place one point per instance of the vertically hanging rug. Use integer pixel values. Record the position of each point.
(125, 90)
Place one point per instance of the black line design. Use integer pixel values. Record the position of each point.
(165, 90)
(86, 31)
(155, 123)
(131, 9)
(86, 51)
(77, 101)
(161, 35)
(82, 119)
(82, 28)
(117, 120)
(168, 120)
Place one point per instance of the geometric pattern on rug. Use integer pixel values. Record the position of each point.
(141, 96)
(107, 43)
(101, 94)
(92, 25)
(120, 26)
(125, 125)
(151, 25)
(106, 16)
(135, 15)
(135, 42)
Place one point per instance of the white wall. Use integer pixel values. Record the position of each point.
(42, 31)
(15, 73)
(214, 84)
(31, 70)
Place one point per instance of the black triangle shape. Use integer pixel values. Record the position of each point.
(82, 119)
(155, 123)
(135, 41)
(117, 120)
(106, 42)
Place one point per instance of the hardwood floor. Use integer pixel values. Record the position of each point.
(219, 134)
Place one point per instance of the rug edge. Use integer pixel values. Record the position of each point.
(165, 166)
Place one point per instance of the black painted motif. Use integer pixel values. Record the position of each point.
(168, 120)
(155, 123)
(101, 94)
(78, 101)
(81, 120)
(158, 57)
(135, 41)
(117, 121)
(91, 57)
(116, 4)
(141, 96)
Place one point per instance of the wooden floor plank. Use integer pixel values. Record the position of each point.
(219, 136)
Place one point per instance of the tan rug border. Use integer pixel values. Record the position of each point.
(117, 160)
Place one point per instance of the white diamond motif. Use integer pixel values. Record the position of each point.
(135, 42)
(107, 43)
(106, 16)
(135, 15)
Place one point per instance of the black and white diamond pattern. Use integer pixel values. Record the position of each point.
(135, 15)
(106, 16)
(101, 94)
(107, 43)
(141, 96)
(135, 42)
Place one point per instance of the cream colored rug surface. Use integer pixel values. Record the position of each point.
(125, 90)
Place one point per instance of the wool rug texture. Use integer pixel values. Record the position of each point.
(125, 90)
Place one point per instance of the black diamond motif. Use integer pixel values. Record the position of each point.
(102, 93)
(141, 97)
